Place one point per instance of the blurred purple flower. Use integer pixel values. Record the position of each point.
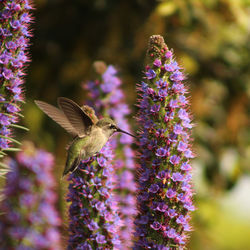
(28, 207)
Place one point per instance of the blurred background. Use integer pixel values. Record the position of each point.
(211, 41)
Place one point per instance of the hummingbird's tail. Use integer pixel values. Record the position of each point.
(71, 165)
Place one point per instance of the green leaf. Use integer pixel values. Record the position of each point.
(3, 165)
(19, 126)
(12, 149)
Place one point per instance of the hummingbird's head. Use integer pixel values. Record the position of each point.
(109, 127)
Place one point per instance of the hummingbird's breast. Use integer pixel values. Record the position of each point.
(96, 142)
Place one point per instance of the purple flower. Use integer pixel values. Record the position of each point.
(161, 84)
(183, 114)
(171, 233)
(182, 146)
(155, 108)
(100, 239)
(177, 76)
(175, 160)
(171, 193)
(93, 226)
(177, 177)
(163, 93)
(178, 129)
(185, 166)
(157, 63)
(171, 213)
(156, 225)
(169, 54)
(150, 74)
(154, 188)
(102, 161)
(162, 207)
(181, 220)
(161, 152)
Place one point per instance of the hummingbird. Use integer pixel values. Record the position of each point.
(90, 134)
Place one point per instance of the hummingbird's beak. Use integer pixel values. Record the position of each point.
(124, 132)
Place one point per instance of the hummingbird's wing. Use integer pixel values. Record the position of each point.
(58, 116)
(77, 117)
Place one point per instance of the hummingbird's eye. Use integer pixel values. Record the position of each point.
(111, 126)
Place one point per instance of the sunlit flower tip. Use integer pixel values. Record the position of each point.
(169, 54)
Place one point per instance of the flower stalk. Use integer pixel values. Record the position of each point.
(93, 212)
(110, 101)
(164, 179)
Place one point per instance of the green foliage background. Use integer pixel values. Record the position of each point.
(210, 39)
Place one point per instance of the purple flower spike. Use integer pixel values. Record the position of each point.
(120, 170)
(13, 59)
(164, 189)
(86, 192)
(31, 203)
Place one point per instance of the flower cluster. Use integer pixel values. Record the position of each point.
(94, 221)
(110, 100)
(28, 217)
(14, 40)
(164, 179)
